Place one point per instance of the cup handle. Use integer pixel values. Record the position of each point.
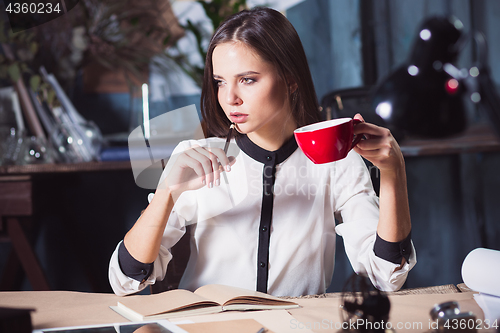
(358, 137)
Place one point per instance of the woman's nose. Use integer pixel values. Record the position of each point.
(232, 97)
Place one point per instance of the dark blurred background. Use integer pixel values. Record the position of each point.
(80, 217)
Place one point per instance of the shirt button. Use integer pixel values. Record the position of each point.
(264, 229)
(403, 250)
(143, 272)
(262, 264)
(269, 158)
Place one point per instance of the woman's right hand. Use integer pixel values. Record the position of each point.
(190, 170)
(197, 167)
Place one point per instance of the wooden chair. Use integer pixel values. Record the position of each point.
(15, 208)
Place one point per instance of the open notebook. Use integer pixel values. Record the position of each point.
(207, 299)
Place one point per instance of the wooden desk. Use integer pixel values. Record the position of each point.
(320, 313)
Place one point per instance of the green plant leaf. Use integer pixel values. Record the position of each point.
(44, 86)
(34, 48)
(29, 37)
(14, 72)
(51, 95)
(35, 82)
(20, 36)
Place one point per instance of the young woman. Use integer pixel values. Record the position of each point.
(276, 232)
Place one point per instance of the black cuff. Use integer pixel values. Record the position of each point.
(393, 251)
(131, 267)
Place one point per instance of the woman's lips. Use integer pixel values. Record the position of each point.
(237, 117)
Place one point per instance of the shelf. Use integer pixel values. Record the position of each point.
(477, 138)
(34, 169)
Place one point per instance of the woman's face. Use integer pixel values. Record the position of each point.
(250, 90)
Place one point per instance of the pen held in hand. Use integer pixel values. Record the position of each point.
(228, 139)
(226, 146)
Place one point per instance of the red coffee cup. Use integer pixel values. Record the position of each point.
(328, 141)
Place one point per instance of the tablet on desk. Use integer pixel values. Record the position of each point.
(160, 326)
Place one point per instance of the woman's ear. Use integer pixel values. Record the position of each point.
(292, 85)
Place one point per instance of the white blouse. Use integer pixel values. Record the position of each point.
(297, 253)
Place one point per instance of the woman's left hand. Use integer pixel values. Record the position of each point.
(379, 147)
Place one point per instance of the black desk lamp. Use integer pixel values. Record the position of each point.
(424, 96)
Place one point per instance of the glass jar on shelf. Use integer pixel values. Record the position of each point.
(74, 143)
(11, 145)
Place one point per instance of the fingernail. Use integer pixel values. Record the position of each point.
(217, 182)
(228, 167)
(204, 182)
(210, 185)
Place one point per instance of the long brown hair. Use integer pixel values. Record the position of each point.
(273, 37)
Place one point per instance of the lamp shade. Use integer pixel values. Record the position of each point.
(419, 97)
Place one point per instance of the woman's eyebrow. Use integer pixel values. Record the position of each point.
(246, 73)
(215, 76)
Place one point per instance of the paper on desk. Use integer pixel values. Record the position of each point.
(480, 271)
(490, 306)
(274, 320)
(224, 326)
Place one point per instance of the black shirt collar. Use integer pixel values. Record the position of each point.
(265, 156)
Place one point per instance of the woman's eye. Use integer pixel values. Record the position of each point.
(218, 83)
(247, 80)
